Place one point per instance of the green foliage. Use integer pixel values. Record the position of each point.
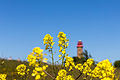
(9, 67)
(78, 60)
(117, 63)
(86, 55)
(83, 59)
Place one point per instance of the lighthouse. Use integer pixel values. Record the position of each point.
(79, 49)
(80, 57)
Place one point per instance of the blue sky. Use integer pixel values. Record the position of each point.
(24, 23)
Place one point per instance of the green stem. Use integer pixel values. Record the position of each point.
(52, 56)
(78, 76)
(50, 75)
(63, 57)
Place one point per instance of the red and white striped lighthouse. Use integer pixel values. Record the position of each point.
(79, 49)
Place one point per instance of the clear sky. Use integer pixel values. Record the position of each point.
(24, 23)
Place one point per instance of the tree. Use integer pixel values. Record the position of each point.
(83, 59)
(86, 55)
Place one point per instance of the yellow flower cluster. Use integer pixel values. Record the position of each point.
(79, 67)
(48, 41)
(63, 42)
(3, 76)
(62, 75)
(107, 79)
(36, 57)
(31, 59)
(69, 63)
(37, 50)
(86, 67)
(39, 72)
(21, 69)
(104, 70)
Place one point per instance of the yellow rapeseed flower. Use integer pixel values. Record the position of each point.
(69, 63)
(104, 70)
(31, 59)
(48, 41)
(37, 50)
(62, 75)
(21, 69)
(37, 77)
(3, 76)
(60, 56)
(79, 67)
(38, 72)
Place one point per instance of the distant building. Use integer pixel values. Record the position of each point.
(18, 60)
(80, 49)
(79, 58)
(10, 58)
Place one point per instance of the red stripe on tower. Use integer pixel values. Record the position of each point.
(80, 44)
